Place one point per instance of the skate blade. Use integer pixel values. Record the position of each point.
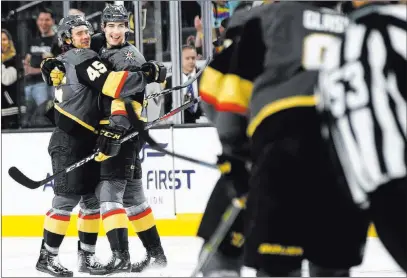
(46, 272)
(86, 271)
(120, 273)
(154, 271)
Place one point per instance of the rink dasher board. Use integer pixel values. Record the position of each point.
(176, 190)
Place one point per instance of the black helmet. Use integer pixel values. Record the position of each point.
(67, 23)
(115, 13)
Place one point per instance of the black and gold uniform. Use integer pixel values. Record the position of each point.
(267, 72)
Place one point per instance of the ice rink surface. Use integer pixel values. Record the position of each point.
(19, 256)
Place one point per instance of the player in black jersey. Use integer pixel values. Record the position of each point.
(295, 208)
(227, 261)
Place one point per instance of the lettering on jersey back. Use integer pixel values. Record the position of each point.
(324, 22)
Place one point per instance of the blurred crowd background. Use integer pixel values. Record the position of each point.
(29, 35)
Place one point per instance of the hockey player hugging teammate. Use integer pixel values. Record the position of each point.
(124, 170)
(77, 117)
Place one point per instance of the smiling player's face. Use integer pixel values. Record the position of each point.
(81, 37)
(115, 33)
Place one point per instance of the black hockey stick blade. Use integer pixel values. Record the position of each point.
(139, 126)
(19, 177)
(182, 86)
(22, 179)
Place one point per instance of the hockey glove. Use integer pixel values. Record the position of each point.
(155, 71)
(108, 143)
(53, 71)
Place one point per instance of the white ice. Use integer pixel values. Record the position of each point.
(19, 256)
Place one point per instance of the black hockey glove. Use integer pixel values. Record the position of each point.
(53, 71)
(239, 175)
(108, 143)
(155, 71)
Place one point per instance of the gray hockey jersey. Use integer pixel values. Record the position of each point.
(76, 101)
(126, 57)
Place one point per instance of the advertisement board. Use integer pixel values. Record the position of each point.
(201, 143)
(158, 180)
(29, 152)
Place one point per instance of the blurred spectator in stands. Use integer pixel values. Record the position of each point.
(190, 40)
(222, 11)
(189, 69)
(9, 76)
(36, 91)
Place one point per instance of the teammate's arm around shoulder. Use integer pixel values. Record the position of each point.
(53, 71)
(116, 84)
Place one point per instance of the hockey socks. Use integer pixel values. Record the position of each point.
(142, 219)
(115, 224)
(55, 227)
(150, 238)
(88, 228)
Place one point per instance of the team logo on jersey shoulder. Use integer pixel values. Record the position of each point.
(129, 55)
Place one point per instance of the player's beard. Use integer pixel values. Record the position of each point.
(82, 44)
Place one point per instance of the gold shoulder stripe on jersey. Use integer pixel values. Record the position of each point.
(72, 117)
(277, 106)
(114, 83)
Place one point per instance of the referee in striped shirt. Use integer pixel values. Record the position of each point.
(362, 100)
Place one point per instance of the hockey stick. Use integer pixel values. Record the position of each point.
(182, 86)
(229, 216)
(227, 220)
(22, 179)
(139, 126)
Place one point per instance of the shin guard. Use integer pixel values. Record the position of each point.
(55, 227)
(142, 219)
(88, 228)
(115, 224)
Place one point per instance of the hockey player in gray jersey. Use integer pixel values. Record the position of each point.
(123, 171)
(77, 118)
